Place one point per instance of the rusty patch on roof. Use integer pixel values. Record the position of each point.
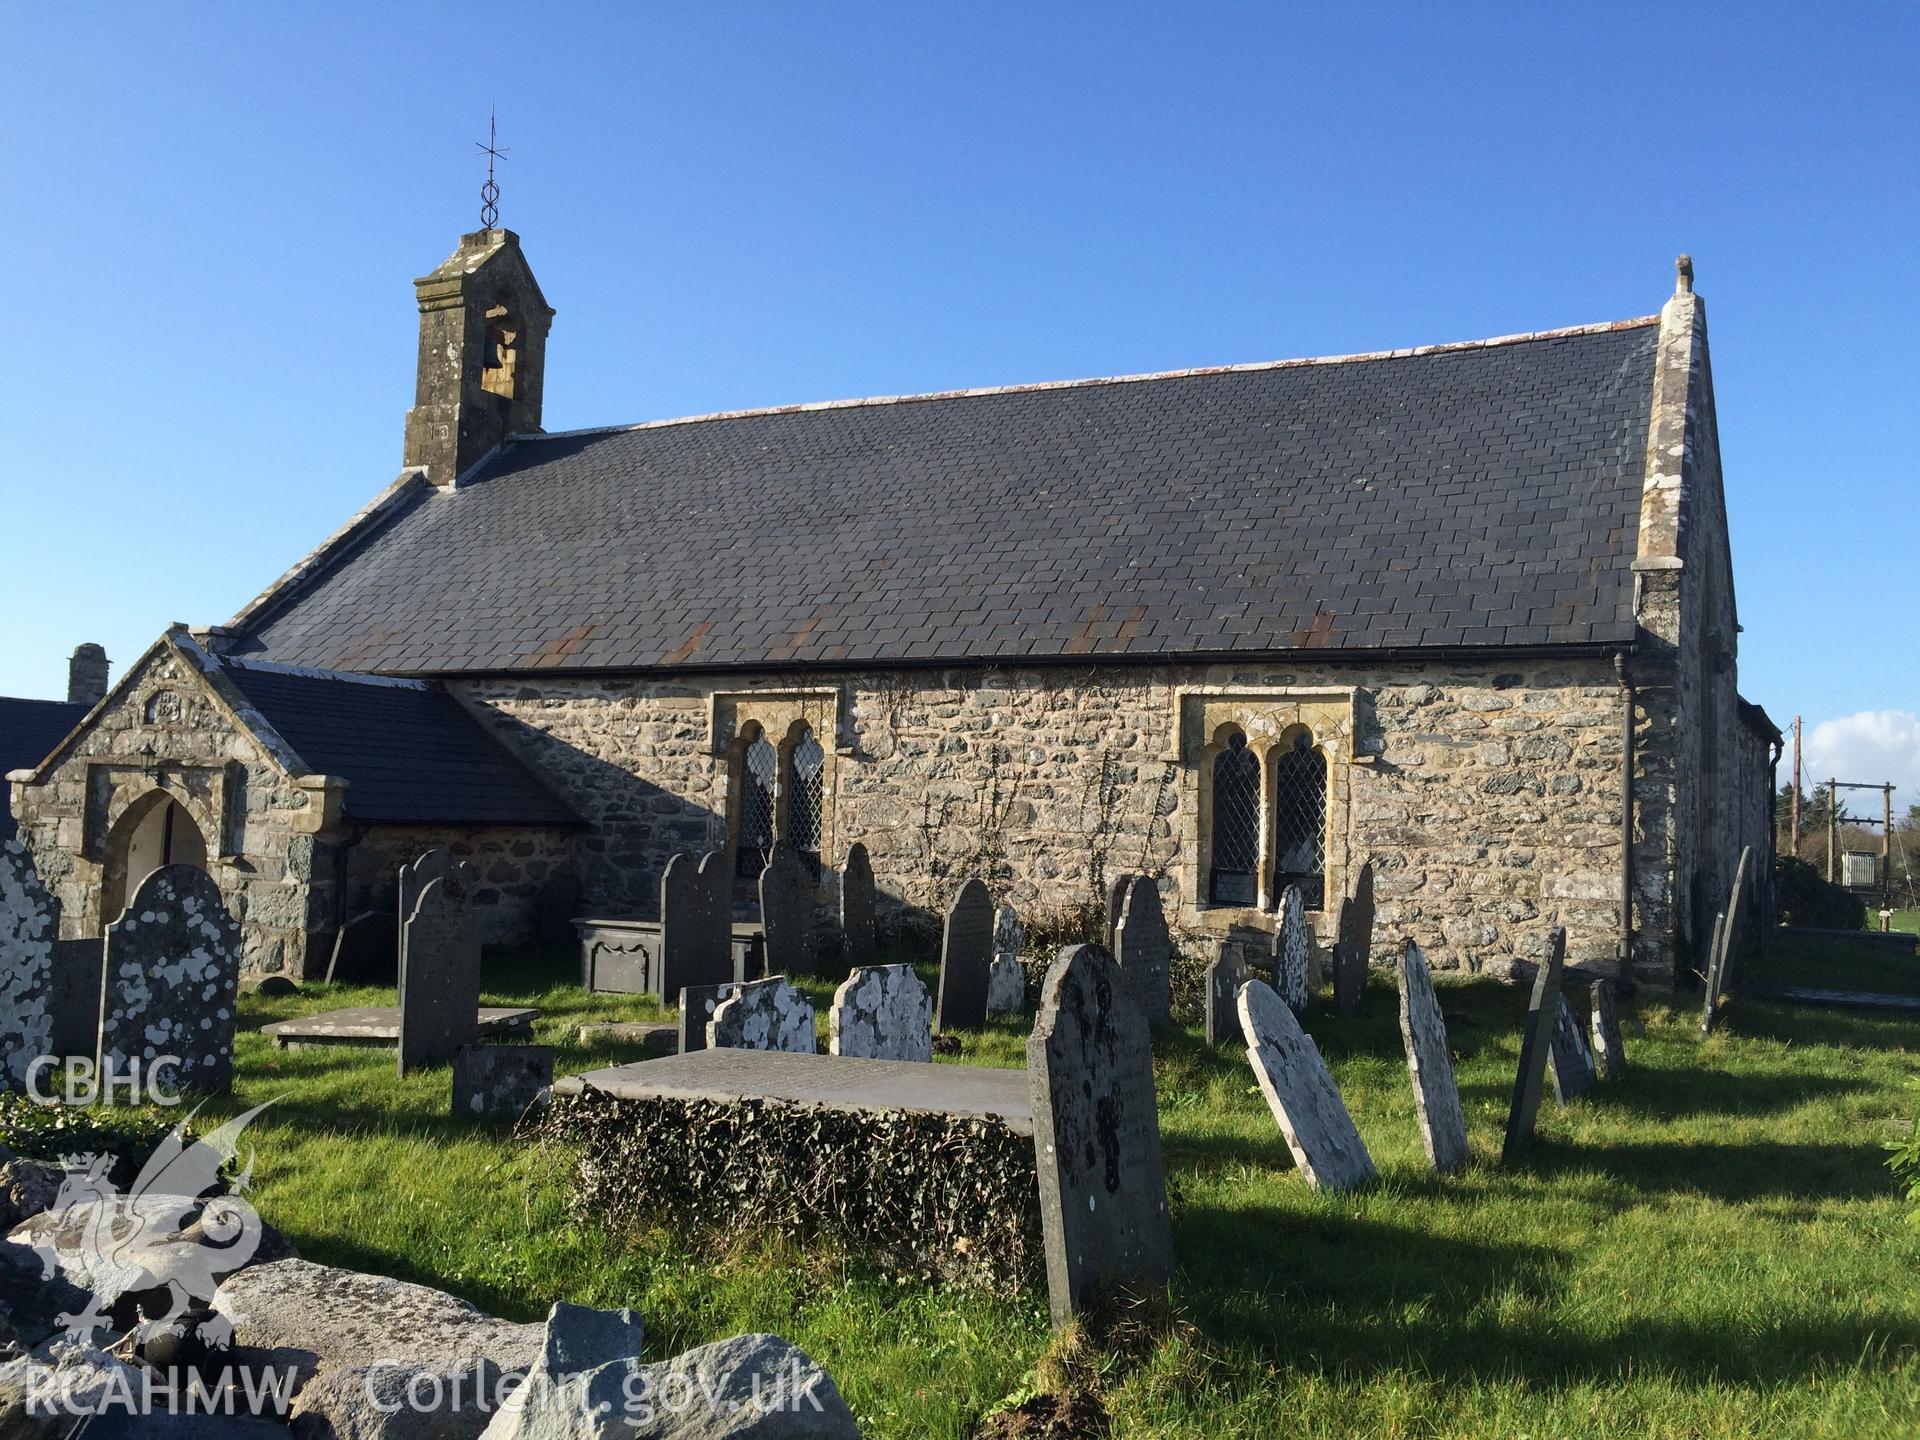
(562, 648)
(1317, 635)
(1082, 640)
(686, 650)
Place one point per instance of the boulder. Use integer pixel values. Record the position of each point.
(750, 1386)
(401, 1402)
(580, 1338)
(30, 1304)
(43, 1395)
(27, 1187)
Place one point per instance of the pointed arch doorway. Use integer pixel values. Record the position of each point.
(156, 830)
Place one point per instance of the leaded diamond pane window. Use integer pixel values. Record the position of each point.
(1236, 825)
(1300, 821)
(758, 771)
(809, 763)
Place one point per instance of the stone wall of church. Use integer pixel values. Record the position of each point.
(514, 865)
(1487, 796)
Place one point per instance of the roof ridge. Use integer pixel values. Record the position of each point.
(314, 672)
(1038, 386)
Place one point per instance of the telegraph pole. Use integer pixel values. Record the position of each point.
(1833, 824)
(1794, 848)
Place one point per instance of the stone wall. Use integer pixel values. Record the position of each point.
(1487, 795)
(514, 863)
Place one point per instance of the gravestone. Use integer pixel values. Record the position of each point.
(365, 951)
(746, 958)
(1224, 978)
(559, 904)
(1733, 942)
(1293, 952)
(500, 1079)
(881, 1012)
(29, 929)
(439, 979)
(856, 908)
(765, 1014)
(786, 911)
(77, 968)
(436, 864)
(1007, 980)
(1609, 1049)
(1573, 1074)
(1710, 1015)
(1116, 902)
(1353, 951)
(1436, 1094)
(1096, 1137)
(171, 978)
(966, 952)
(696, 940)
(1536, 1039)
(697, 1004)
(1301, 1093)
(1144, 951)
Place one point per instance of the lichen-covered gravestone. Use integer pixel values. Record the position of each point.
(439, 978)
(856, 907)
(696, 943)
(172, 974)
(1436, 1094)
(29, 927)
(1224, 978)
(697, 1004)
(1354, 952)
(1609, 1048)
(500, 1079)
(1536, 1039)
(1144, 951)
(1301, 1093)
(1710, 1016)
(1572, 1064)
(765, 1014)
(966, 954)
(881, 1012)
(1007, 980)
(1096, 1137)
(1293, 951)
(786, 911)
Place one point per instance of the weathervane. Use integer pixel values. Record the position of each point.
(490, 192)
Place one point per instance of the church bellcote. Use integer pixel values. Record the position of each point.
(483, 350)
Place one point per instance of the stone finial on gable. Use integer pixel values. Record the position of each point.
(1683, 275)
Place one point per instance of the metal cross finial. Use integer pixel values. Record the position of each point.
(490, 192)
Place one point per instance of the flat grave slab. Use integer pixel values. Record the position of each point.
(835, 1082)
(658, 1037)
(621, 955)
(379, 1025)
(1844, 999)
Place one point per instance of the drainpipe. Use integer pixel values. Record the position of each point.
(1625, 677)
(354, 837)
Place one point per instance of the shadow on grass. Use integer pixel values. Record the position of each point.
(1733, 1174)
(1820, 1025)
(1661, 1093)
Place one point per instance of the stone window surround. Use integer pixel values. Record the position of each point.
(1202, 714)
(779, 714)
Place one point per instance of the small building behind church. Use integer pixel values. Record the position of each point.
(1465, 611)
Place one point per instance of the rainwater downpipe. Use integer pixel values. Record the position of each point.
(1628, 701)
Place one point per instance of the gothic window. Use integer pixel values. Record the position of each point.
(1300, 819)
(758, 780)
(806, 764)
(1234, 878)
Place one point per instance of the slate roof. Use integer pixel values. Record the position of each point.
(29, 729)
(412, 753)
(1482, 495)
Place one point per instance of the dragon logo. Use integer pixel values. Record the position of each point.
(161, 1235)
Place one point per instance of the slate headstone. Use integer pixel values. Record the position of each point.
(1573, 1073)
(1293, 952)
(697, 1004)
(1116, 901)
(1436, 1094)
(966, 952)
(786, 911)
(1536, 1040)
(1710, 1013)
(365, 951)
(29, 930)
(765, 1014)
(1225, 976)
(1007, 980)
(1301, 1093)
(1733, 943)
(1609, 1048)
(1096, 1137)
(881, 1012)
(436, 864)
(171, 980)
(1354, 949)
(696, 944)
(1144, 951)
(856, 908)
(439, 979)
(77, 968)
(500, 1079)
(716, 875)
(559, 905)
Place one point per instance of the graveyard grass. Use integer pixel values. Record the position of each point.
(1711, 1246)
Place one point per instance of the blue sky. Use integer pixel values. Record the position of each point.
(212, 215)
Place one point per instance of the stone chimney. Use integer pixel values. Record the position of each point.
(87, 675)
(483, 351)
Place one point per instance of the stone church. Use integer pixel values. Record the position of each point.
(1465, 611)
